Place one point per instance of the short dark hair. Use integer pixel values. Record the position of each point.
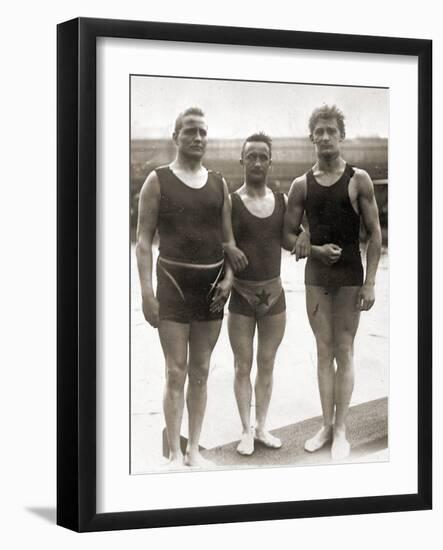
(326, 111)
(258, 136)
(189, 111)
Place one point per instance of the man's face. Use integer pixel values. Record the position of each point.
(326, 137)
(192, 138)
(256, 161)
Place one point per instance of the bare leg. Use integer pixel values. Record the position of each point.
(241, 336)
(174, 341)
(202, 339)
(346, 319)
(270, 334)
(319, 309)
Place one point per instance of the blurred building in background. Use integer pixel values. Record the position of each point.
(291, 157)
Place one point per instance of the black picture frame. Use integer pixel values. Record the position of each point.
(76, 273)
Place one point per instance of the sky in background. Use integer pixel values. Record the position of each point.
(235, 109)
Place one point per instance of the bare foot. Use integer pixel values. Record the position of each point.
(267, 439)
(195, 460)
(246, 445)
(173, 463)
(340, 448)
(323, 436)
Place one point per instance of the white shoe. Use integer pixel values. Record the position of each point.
(320, 439)
(340, 449)
(268, 440)
(246, 444)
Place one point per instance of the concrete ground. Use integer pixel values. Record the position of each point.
(295, 405)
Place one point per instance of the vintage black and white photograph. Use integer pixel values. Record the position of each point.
(259, 272)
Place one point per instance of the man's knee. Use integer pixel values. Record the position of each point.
(176, 371)
(344, 351)
(198, 373)
(243, 366)
(265, 360)
(264, 378)
(325, 351)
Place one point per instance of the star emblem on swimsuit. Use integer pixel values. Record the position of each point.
(263, 298)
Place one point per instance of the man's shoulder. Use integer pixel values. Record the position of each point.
(151, 185)
(160, 169)
(360, 173)
(301, 179)
(361, 177)
(364, 186)
(216, 173)
(219, 182)
(299, 183)
(156, 173)
(278, 195)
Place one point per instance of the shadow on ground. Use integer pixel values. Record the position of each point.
(367, 430)
(48, 514)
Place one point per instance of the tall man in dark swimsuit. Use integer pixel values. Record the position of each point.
(257, 299)
(336, 197)
(189, 206)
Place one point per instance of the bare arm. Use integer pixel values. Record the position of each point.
(223, 289)
(294, 213)
(287, 242)
(235, 256)
(296, 238)
(369, 214)
(147, 224)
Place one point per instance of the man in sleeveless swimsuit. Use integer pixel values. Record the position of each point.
(189, 206)
(335, 197)
(257, 298)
